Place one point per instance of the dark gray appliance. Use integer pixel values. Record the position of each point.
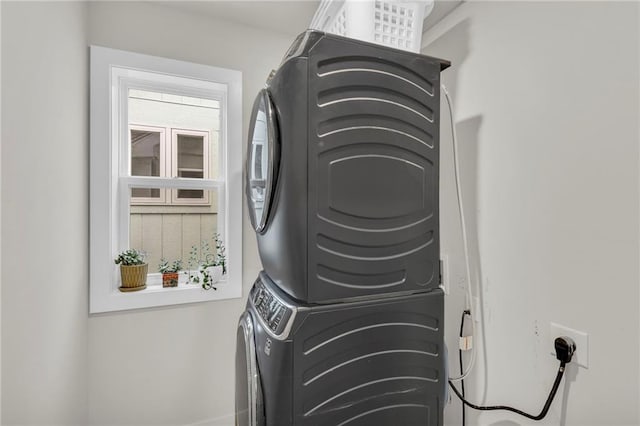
(374, 363)
(342, 170)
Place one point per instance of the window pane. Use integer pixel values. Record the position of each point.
(194, 194)
(145, 154)
(185, 114)
(190, 155)
(145, 192)
(170, 231)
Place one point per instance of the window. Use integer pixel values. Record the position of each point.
(185, 154)
(165, 173)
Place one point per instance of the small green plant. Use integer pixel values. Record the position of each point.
(207, 279)
(164, 266)
(193, 263)
(130, 257)
(221, 253)
(202, 259)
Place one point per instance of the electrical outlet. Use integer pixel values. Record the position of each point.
(445, 285)
(581, 356)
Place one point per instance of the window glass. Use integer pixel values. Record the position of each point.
(145, 193)
(190, 156)
(171, 232)
(185, 144)
(191, 163)
(145, 153)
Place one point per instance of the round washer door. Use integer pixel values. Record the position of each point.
(262, 160)
(249, 403)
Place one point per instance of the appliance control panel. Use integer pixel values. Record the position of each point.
(273, 312)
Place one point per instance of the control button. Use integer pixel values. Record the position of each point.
(273, 315)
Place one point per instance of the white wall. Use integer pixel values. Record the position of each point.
(175, 365)
(60, 366)
(546, 104)
(0, 219)
(547, 111)
(44, 213)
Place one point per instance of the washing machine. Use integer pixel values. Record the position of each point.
(342, 170)
(376, 363)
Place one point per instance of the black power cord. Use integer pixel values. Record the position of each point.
(565, 347)
(464, 314)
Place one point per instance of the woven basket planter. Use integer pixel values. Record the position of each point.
(134, 277)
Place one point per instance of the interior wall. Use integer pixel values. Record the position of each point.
(547, 120)
(546, 108)
(175, 365)
(44, 213)
(0, 219)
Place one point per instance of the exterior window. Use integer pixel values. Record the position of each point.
(186, 154)
(190, 160)
(148, 153)
(165, 156)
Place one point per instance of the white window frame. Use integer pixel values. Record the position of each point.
(113, 73)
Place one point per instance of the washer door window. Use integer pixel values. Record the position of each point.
(262, 160)
(249, 403)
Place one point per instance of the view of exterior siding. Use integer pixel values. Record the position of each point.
(170, 235)
(168, 226)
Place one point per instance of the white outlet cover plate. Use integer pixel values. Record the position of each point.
(581, 356)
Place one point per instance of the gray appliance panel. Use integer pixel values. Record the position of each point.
(365, 363)
(275, 365)
(354, 213)
(373, 170)
(375, 363)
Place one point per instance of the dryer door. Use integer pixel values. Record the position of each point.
(262, 160)
(249, 403)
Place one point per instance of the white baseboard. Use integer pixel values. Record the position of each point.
(217, 421)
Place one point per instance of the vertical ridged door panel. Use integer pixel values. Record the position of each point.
(373, 364)
(373, 171)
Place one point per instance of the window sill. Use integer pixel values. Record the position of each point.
(155, 295)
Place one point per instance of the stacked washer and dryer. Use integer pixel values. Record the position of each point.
(345, 324)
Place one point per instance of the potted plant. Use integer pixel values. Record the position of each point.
(133, 270)
(210, 266)
(169, 272)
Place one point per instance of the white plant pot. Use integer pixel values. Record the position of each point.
(215, 272)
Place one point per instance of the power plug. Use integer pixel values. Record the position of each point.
(565, 348)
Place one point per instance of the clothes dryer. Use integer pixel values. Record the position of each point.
(342, 170)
